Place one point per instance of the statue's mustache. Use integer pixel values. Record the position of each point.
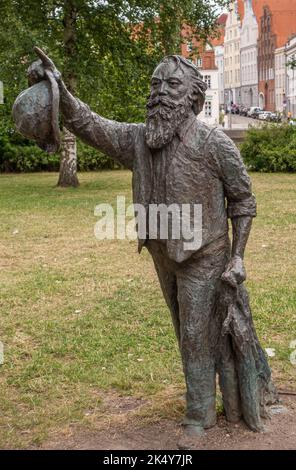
(161, 105)
(160, 100)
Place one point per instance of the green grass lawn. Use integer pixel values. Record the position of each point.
(82, 317)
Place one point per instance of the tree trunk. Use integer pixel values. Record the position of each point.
(68, 163)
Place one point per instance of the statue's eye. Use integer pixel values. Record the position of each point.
(154, 83)
(174, 82)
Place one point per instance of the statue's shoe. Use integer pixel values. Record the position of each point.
(209, 422)
(190, 437)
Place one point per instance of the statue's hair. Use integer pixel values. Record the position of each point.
(198, 85)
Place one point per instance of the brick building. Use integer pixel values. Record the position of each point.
(277, 22)
(266, 60)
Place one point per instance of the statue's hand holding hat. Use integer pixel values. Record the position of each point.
(36, 110)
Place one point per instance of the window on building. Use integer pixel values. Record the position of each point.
(208, 109)
(207, 79)
(271, 74)
(199, 62)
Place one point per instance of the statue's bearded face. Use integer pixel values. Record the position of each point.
(169, 103)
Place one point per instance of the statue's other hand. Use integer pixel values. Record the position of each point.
(235, 272)
(46, 64)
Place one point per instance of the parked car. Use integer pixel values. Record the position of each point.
(257, 113)
(275, 117)
(240, 109)
(254, 111)
(244, 111)
(264, 115)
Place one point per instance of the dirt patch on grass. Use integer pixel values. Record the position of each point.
(165, 434)
(115, 405)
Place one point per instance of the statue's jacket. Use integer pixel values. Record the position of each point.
(206, 169)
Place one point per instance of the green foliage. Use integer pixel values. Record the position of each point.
(108, 61)
(270, 149)
(165, 33)
(21, 155)
(90, 159)
(117, 45)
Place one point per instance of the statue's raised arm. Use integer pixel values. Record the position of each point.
(113, 138)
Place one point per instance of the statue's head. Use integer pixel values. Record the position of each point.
(177, 89)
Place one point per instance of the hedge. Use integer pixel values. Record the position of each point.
(21, 155)
(270, 149)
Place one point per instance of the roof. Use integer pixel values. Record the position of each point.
(241, 9)
(219, 40)
(283, 17)
(222, 19)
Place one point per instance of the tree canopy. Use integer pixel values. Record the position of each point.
(111, 52)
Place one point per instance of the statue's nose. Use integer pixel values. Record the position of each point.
(163, 89)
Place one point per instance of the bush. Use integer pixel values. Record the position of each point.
(21, 155)
(90, 159)
(270, 149)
